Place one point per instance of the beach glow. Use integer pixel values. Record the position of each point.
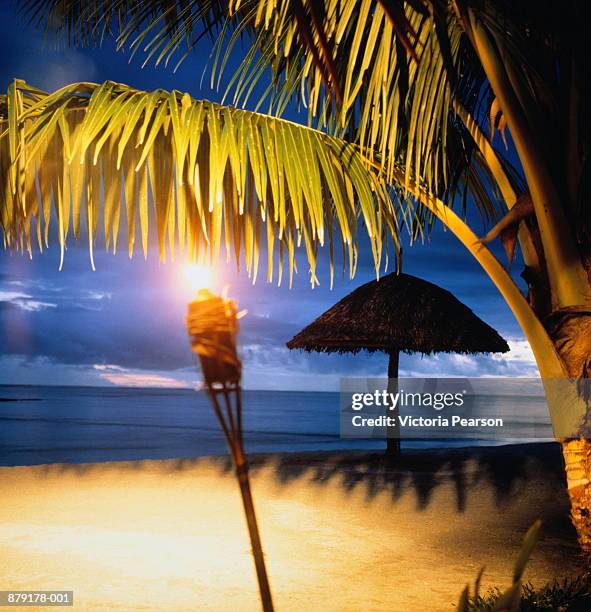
(169, 535)
(197, 276)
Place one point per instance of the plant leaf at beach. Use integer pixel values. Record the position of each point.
(215, 175)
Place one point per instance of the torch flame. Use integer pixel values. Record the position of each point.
(197, 276)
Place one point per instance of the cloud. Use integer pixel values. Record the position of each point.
(518, 362)
(24, 301)
(120, 377)
(520, 352)
(99, 295)
(11, 296)
(108, 368)
(268, 366)
(15, 369)
(128, 320)
(34, 305)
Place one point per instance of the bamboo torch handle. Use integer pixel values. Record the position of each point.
(253, 530)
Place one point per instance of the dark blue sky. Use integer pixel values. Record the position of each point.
(123, 324)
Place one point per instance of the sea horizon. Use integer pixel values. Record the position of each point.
(44, 424)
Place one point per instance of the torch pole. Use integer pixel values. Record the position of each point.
(212, 327)
(255, 539)
(232, 428)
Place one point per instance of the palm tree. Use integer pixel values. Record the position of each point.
(412, 93)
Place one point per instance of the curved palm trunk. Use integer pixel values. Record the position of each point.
(577, 465)
(570, 329)
(569, 279)
(562, 349)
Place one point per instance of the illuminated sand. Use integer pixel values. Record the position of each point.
(340, 532)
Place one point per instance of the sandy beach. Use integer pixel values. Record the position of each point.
(341, 531)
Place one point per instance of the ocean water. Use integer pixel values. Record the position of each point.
(40, 425)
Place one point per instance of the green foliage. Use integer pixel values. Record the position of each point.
(397, 94)
(569, 595)
(216, 175)
(382, 74)
(572, 595)
(390, 75)
(509, 600)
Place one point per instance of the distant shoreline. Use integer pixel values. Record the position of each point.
(531, 450)
(20, 399)
(151, 388)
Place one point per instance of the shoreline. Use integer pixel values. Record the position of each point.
(534, 446)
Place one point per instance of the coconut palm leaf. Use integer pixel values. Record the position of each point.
(215, 174)
(405, 105)
(396, 104)
(381, 73)
(379, 34)
(165, 27)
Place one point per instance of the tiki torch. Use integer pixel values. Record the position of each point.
(212, 325)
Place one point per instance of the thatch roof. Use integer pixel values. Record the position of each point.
(399, 312)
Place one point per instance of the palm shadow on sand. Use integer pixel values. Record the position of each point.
(505, 469)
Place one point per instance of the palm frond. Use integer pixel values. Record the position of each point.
(352, 66)
(215, 175)
(401, 103)
(397, 105)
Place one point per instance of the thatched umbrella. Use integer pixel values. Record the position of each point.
(397, 313)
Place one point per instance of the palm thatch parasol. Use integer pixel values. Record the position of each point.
(397, 313)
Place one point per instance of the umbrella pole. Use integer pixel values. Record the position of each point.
(393, 433)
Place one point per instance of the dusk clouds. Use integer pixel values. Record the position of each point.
(124, 323)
